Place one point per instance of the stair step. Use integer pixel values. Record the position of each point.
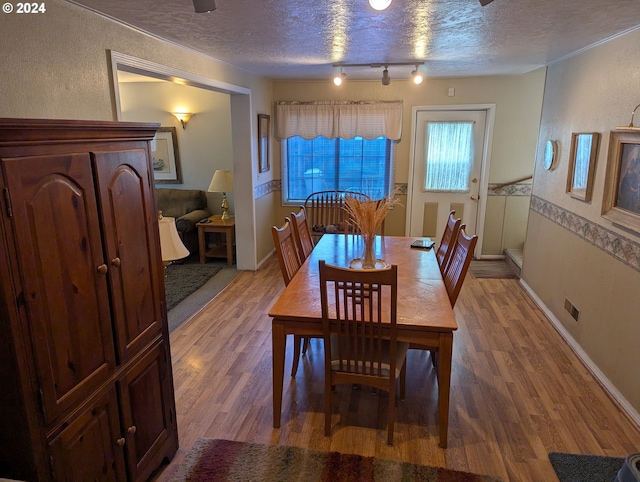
(513, 257)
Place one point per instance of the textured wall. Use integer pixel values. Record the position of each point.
(571, 252)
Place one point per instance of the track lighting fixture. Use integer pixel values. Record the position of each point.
(204, 6)
(416, 76)
(386, 80)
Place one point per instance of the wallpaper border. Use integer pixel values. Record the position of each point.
(614, 244)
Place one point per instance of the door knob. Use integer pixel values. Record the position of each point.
(474, 180)
(474, 197)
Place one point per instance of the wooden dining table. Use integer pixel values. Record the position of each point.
(424, 316)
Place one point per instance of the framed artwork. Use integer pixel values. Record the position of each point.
(582, 164)
(166, 158)
(621, 201)
(263, 142)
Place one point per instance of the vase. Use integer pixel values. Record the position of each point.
(368, 258)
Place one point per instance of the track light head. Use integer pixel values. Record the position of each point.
(338, 79)
(417, 76)
(379, 4)
(386, 80)
(204, 6)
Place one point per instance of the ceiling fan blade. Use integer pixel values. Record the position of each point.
(485, 2)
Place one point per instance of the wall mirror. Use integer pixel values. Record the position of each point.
(582, 164)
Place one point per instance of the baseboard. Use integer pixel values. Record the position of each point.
(265, 259)
(613, 392)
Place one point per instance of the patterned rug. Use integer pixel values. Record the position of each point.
(224, 460)
(585, 468)
(183, 279)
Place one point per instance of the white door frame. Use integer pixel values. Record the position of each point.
(484, 169)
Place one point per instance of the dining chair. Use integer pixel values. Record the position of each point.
(325, 212)
(360, 334)
(447, 242)
(458, 264)
(462, 248)
(290, 263)
(304, 243)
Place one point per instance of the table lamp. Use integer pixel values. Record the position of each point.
(222, 181)
(171, 246)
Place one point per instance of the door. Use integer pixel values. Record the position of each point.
(90, 447)
(130, 234)
(63, 269)
(148, 412)
(447, 166)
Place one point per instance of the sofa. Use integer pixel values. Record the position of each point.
(187, 206)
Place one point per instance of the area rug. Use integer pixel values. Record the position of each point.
(585, 468)
(491, 269)
(183, 279)
(224, 460)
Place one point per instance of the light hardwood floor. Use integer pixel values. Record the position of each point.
(517, 391)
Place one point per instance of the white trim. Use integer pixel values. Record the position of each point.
(615, 394)
(490, 110)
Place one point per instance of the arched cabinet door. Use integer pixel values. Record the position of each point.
(65, 290)
(129, 225)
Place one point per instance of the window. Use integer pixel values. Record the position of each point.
(449, 156)
(323, 164)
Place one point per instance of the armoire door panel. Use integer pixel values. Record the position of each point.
(129, 230)
(58, 241)
(87, 448)
(147, 413)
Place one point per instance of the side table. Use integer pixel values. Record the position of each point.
(217, 225)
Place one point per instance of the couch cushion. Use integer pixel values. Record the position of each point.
(178, 202)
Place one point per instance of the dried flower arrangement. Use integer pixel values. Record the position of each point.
(367, 216)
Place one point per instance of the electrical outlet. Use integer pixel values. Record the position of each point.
(572, 310)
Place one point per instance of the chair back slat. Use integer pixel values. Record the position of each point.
(447, 242)
(324, 208)
(304, 241)
(286, 251)
(459, 263)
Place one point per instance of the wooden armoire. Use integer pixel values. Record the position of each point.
(86, 388)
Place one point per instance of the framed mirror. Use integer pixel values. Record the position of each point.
(582, 164)
(550, 154)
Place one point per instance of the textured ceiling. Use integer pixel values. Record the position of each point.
(301, 39)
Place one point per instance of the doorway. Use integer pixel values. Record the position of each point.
(448, 168)
(241, 126)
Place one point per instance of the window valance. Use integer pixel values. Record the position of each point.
(344, 119)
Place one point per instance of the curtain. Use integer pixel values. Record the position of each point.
(339, 119)
(449, 156)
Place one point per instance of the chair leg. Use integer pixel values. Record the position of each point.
(328, 387)
(403, 380)
(392, 413)
(296, 354)
(305, 345)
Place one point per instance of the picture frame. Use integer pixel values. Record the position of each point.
(264, 121)
(582, 164)
(621, 200)
(166, 157)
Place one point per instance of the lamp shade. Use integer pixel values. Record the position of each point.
(222, 181)
(171, 245)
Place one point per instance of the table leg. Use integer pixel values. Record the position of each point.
(201, 244)
(445, 353)
(279, 345)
